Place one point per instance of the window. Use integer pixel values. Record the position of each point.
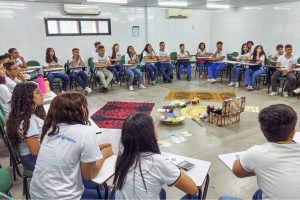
(73, 27)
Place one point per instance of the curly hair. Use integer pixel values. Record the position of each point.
(22, 108)
(68, 108)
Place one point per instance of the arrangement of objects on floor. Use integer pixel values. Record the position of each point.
(228, 114)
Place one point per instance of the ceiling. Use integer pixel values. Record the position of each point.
(199, 4)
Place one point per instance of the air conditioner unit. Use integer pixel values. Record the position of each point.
(79, 9)
(178, 13)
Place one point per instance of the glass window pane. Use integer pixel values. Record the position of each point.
(69, 27)
(88, 26)
(52, 27)
(103, 26)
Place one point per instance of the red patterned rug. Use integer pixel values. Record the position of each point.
(113, 114)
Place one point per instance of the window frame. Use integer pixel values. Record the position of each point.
(79, 26)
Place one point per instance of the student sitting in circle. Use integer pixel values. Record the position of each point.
(148, 55)
(215, 68)
(14, 75)
(114, 57)
(5, 94)
(141, 170)
(165, 67)
(275, 163)
(68, 152)
(25, 122)
(201, 52)
(183, 60)
(53, 62)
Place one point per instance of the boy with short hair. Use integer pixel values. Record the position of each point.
(280, 52)
(94, 52)
(183, 60)
(250, 45)
(284, 68)
(165, 67)
(275, 163)
(218, 57)
(101, 61)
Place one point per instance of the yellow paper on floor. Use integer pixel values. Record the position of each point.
(193, 112)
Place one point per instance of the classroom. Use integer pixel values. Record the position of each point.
(149, 99)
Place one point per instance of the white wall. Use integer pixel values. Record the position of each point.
(25, 29)
(190, 31)
(265, 25)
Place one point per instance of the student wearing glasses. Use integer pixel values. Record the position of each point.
(53, 62)
(79, 75)
(19, 60)
(165, 67)
(14, 75)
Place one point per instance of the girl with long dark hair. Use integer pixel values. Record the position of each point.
(114, 58)
(25, 121)
(141, 170)
(236, 71)
(69, 151)
(132, 58)
(201, 52)
(5, 94)
(251, 74)
(51, 62)
(148, 55)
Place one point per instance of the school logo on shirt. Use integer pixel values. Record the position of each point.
(63, 137)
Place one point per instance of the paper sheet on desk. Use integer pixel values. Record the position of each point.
(297, 137)
(228, 159)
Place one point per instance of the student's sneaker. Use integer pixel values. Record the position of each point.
(273, 94)
(250, 88)
(131, 88)
(209, 80)
(231, 84)
(119, 83)
(188, 78)
(153, 82)
(201, 76)
(170, 81)
(285, 94)
(102, 90)
(105, 90)
(297, 91)
(213, 80)
(142, 86)
(178, 77)
(237, 84)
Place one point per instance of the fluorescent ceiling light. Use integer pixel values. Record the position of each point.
(109, 1)
(173, 3)
(282, 8)
(252, 8)
(222, 6)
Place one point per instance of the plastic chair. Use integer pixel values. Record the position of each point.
(32, 63)
(6, 181)
(298, 60)
(5, 197)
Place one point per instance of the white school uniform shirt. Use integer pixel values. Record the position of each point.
(35, 130)
(146, 54)
(157, 171)
(57, 173)
(262, 59)
(163, 54)
(78, 64)
(94, 52)
(221, 54)
(276, 56)
(19, 62)
(133, 58)
(5, 99)
(101, 59)
(285, 63)
(243, 57)
(276, 167)
(184, 54)
(11, 84)
(202, 53)
(118, 54)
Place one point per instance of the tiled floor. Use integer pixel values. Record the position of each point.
(205, 143)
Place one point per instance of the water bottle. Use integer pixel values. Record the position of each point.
(47, 86)
(41, 84)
